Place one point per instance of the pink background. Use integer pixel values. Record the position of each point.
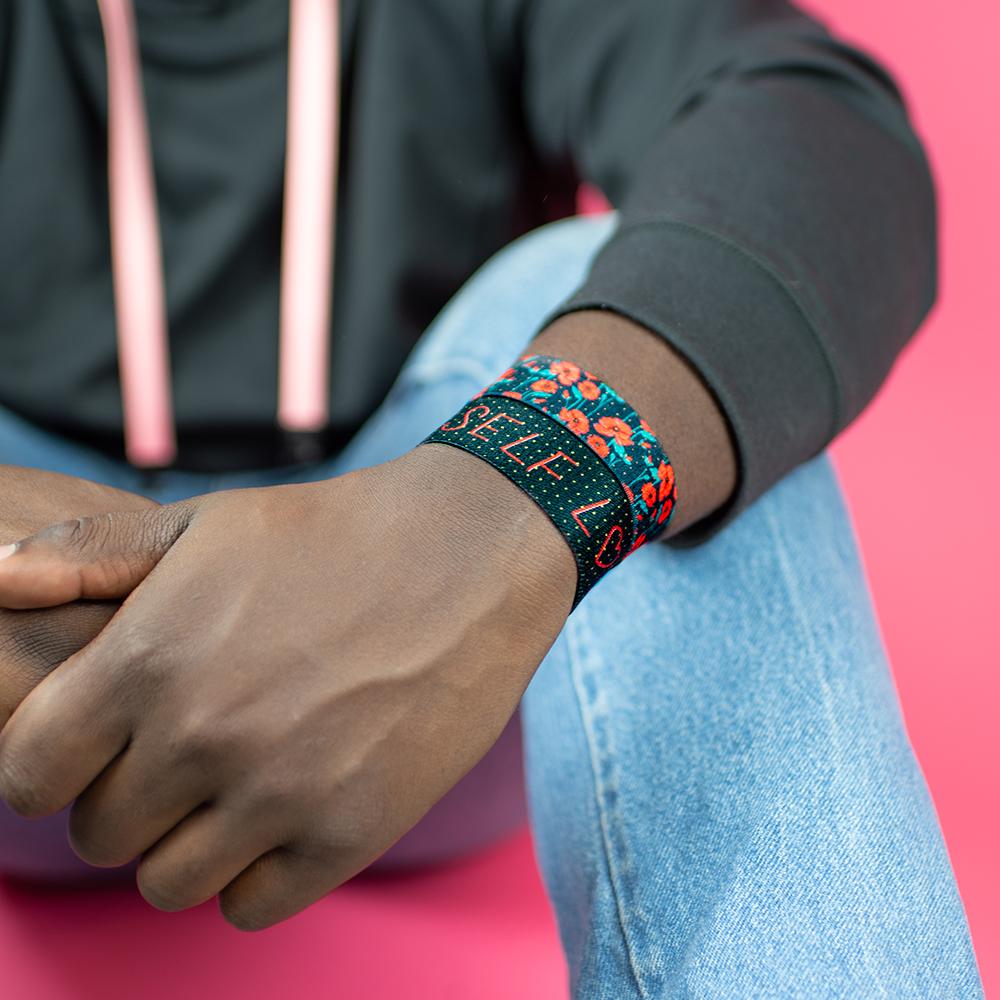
(921, 465)
(921, 472)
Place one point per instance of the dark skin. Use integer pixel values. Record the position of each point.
(666, 391)
(34, 643)
(298, 673)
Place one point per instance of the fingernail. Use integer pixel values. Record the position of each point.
(7, 550)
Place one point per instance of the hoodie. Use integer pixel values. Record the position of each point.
(777, 216)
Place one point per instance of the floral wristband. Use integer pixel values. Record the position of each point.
(578, 450)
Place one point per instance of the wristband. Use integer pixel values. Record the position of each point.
(569, 441)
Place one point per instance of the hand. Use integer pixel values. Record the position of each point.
(33, 643)
(298, 675)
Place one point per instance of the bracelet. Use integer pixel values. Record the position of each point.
(569, 441)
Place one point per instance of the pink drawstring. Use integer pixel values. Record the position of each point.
(309, 214)
(137, 268)
(307, 237)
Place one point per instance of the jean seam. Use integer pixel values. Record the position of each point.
(574, 627)
(809, 641)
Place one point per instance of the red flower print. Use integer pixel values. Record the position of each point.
(640, 540)
(649, 494)
(544, 385)
(589, 390)
(511, 393)
(666, 474)
(576, 421)
(506, 375)
(645, 426)
(599, 445)
(565, 371)
(665, 513)
(478, 394)
(615, 427)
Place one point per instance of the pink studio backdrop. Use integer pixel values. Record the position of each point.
(921, 466)
(921, 472)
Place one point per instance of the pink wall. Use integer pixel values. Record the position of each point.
(921, 466)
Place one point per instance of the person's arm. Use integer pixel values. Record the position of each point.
(777, 226)
(666, 391)
(300, 672)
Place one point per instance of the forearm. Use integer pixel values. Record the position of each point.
(776, 216)
(664, 390)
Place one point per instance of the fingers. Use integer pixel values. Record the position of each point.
(201, 856)
(64, 734)
(34, 643)
(100, 557)
(135, 802)
(277, 886)
(32, 498)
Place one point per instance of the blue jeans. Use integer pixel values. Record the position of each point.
(722, 794)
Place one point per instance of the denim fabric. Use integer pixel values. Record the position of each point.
(722, 794)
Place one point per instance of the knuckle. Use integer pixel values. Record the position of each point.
(138, 650)
(201, 740)
(77, 533)
(137, 666)
(273, 796)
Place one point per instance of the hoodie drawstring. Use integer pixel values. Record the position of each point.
(309, 218)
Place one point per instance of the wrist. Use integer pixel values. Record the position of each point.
(489, 519)
(666, 390)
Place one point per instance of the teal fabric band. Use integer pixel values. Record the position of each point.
(579, 450)
(563, 474)
(594, 411)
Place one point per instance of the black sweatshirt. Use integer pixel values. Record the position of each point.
(777, 212)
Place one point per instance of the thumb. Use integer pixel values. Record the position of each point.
(97, 558)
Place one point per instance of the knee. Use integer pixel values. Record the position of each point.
(780, 588)
(546, 263)
(501, 307)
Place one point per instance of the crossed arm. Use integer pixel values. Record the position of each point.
(298, 673)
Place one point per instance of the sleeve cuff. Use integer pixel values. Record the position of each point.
(737, 321)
